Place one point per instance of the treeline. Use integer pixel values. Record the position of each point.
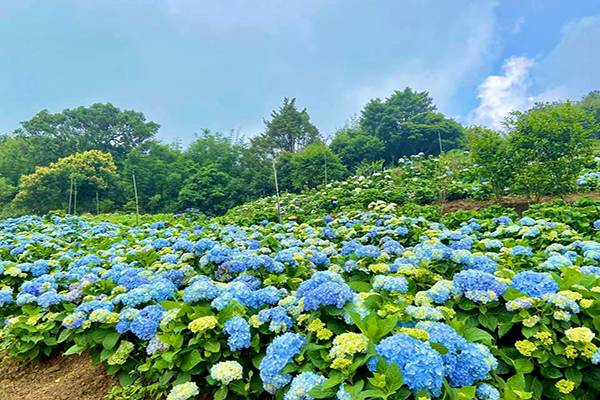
(85, 159)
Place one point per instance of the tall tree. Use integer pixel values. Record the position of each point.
(100, 126)
(289, 129)
(159, 170)
(549, 146)
(407, 123)
(490, 153)
(90, 172)
(591, 103)
(354, 146)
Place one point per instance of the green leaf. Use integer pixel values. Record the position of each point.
(125, 379)
(221, 394)
(523, 365)
(75, 349)
(478, 335)
(574, 375)
(110, 340)
(190, 360)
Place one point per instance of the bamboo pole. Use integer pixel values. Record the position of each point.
(277, 191)
(137, 203)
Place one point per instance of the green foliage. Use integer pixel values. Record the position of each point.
(406, 123)
(490, 152)
(314, 164)
(354, 147)
(549, 146)
(289, 129)
(100, 126)
(90, 171)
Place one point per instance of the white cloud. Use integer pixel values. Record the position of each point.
(501, 94)
(442, 50)
(567, 72)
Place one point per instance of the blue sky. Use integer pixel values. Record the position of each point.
(223, 65)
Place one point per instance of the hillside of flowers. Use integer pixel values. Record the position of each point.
(366, 305)
(417, 179)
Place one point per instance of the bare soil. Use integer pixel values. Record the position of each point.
(518, 203)
(57, 378)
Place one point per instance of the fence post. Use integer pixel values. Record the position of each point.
(74, 197)
(70, 195)
(277, 191)
(137, 204)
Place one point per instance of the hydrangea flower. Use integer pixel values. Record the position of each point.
(534, 284)
(485, 391)
(183, 391)
(392, 284)
(324, 288)
(302, 384)
(226, 372)
(422, 367)
(479, 286)
(279, 353)
(238, 330)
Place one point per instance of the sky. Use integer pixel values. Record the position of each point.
(225, 65)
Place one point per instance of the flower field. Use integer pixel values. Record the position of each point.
(360, 305)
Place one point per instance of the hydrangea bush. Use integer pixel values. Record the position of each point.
(358, 305)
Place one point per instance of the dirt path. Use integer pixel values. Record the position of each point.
(58, 378)
(520, 204)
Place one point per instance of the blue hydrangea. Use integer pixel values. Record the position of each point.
(556, 261)
(280, 353)
(369, 251)
(393, 284)
(74, 320)
(279, 320)
(534, 284)
(596, 224)
(485, 391)
(126, 316)
(6, 296)
(590, 270)
(302, 384)
(472, 364)
(324, 288)
(596, 357)
(238, 330)
(422, 367)
(49, 298)
(202, 288)
(527, 221)
(479, 286)
(502, 220)
(341, 394)
(443, 334)
(441, 291)
(155, 345)
(521, 251)
(160, 243)
(145, 324)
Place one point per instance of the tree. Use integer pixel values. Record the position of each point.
(48, 188)
(406, 123)
(160, 171)
(549, 144)
(312, 165)
(490, 153)
(354, 146)
(288, 130)
(208, 189)
(591, 103)
(18, 157)
(7, 191)
(101, 127)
